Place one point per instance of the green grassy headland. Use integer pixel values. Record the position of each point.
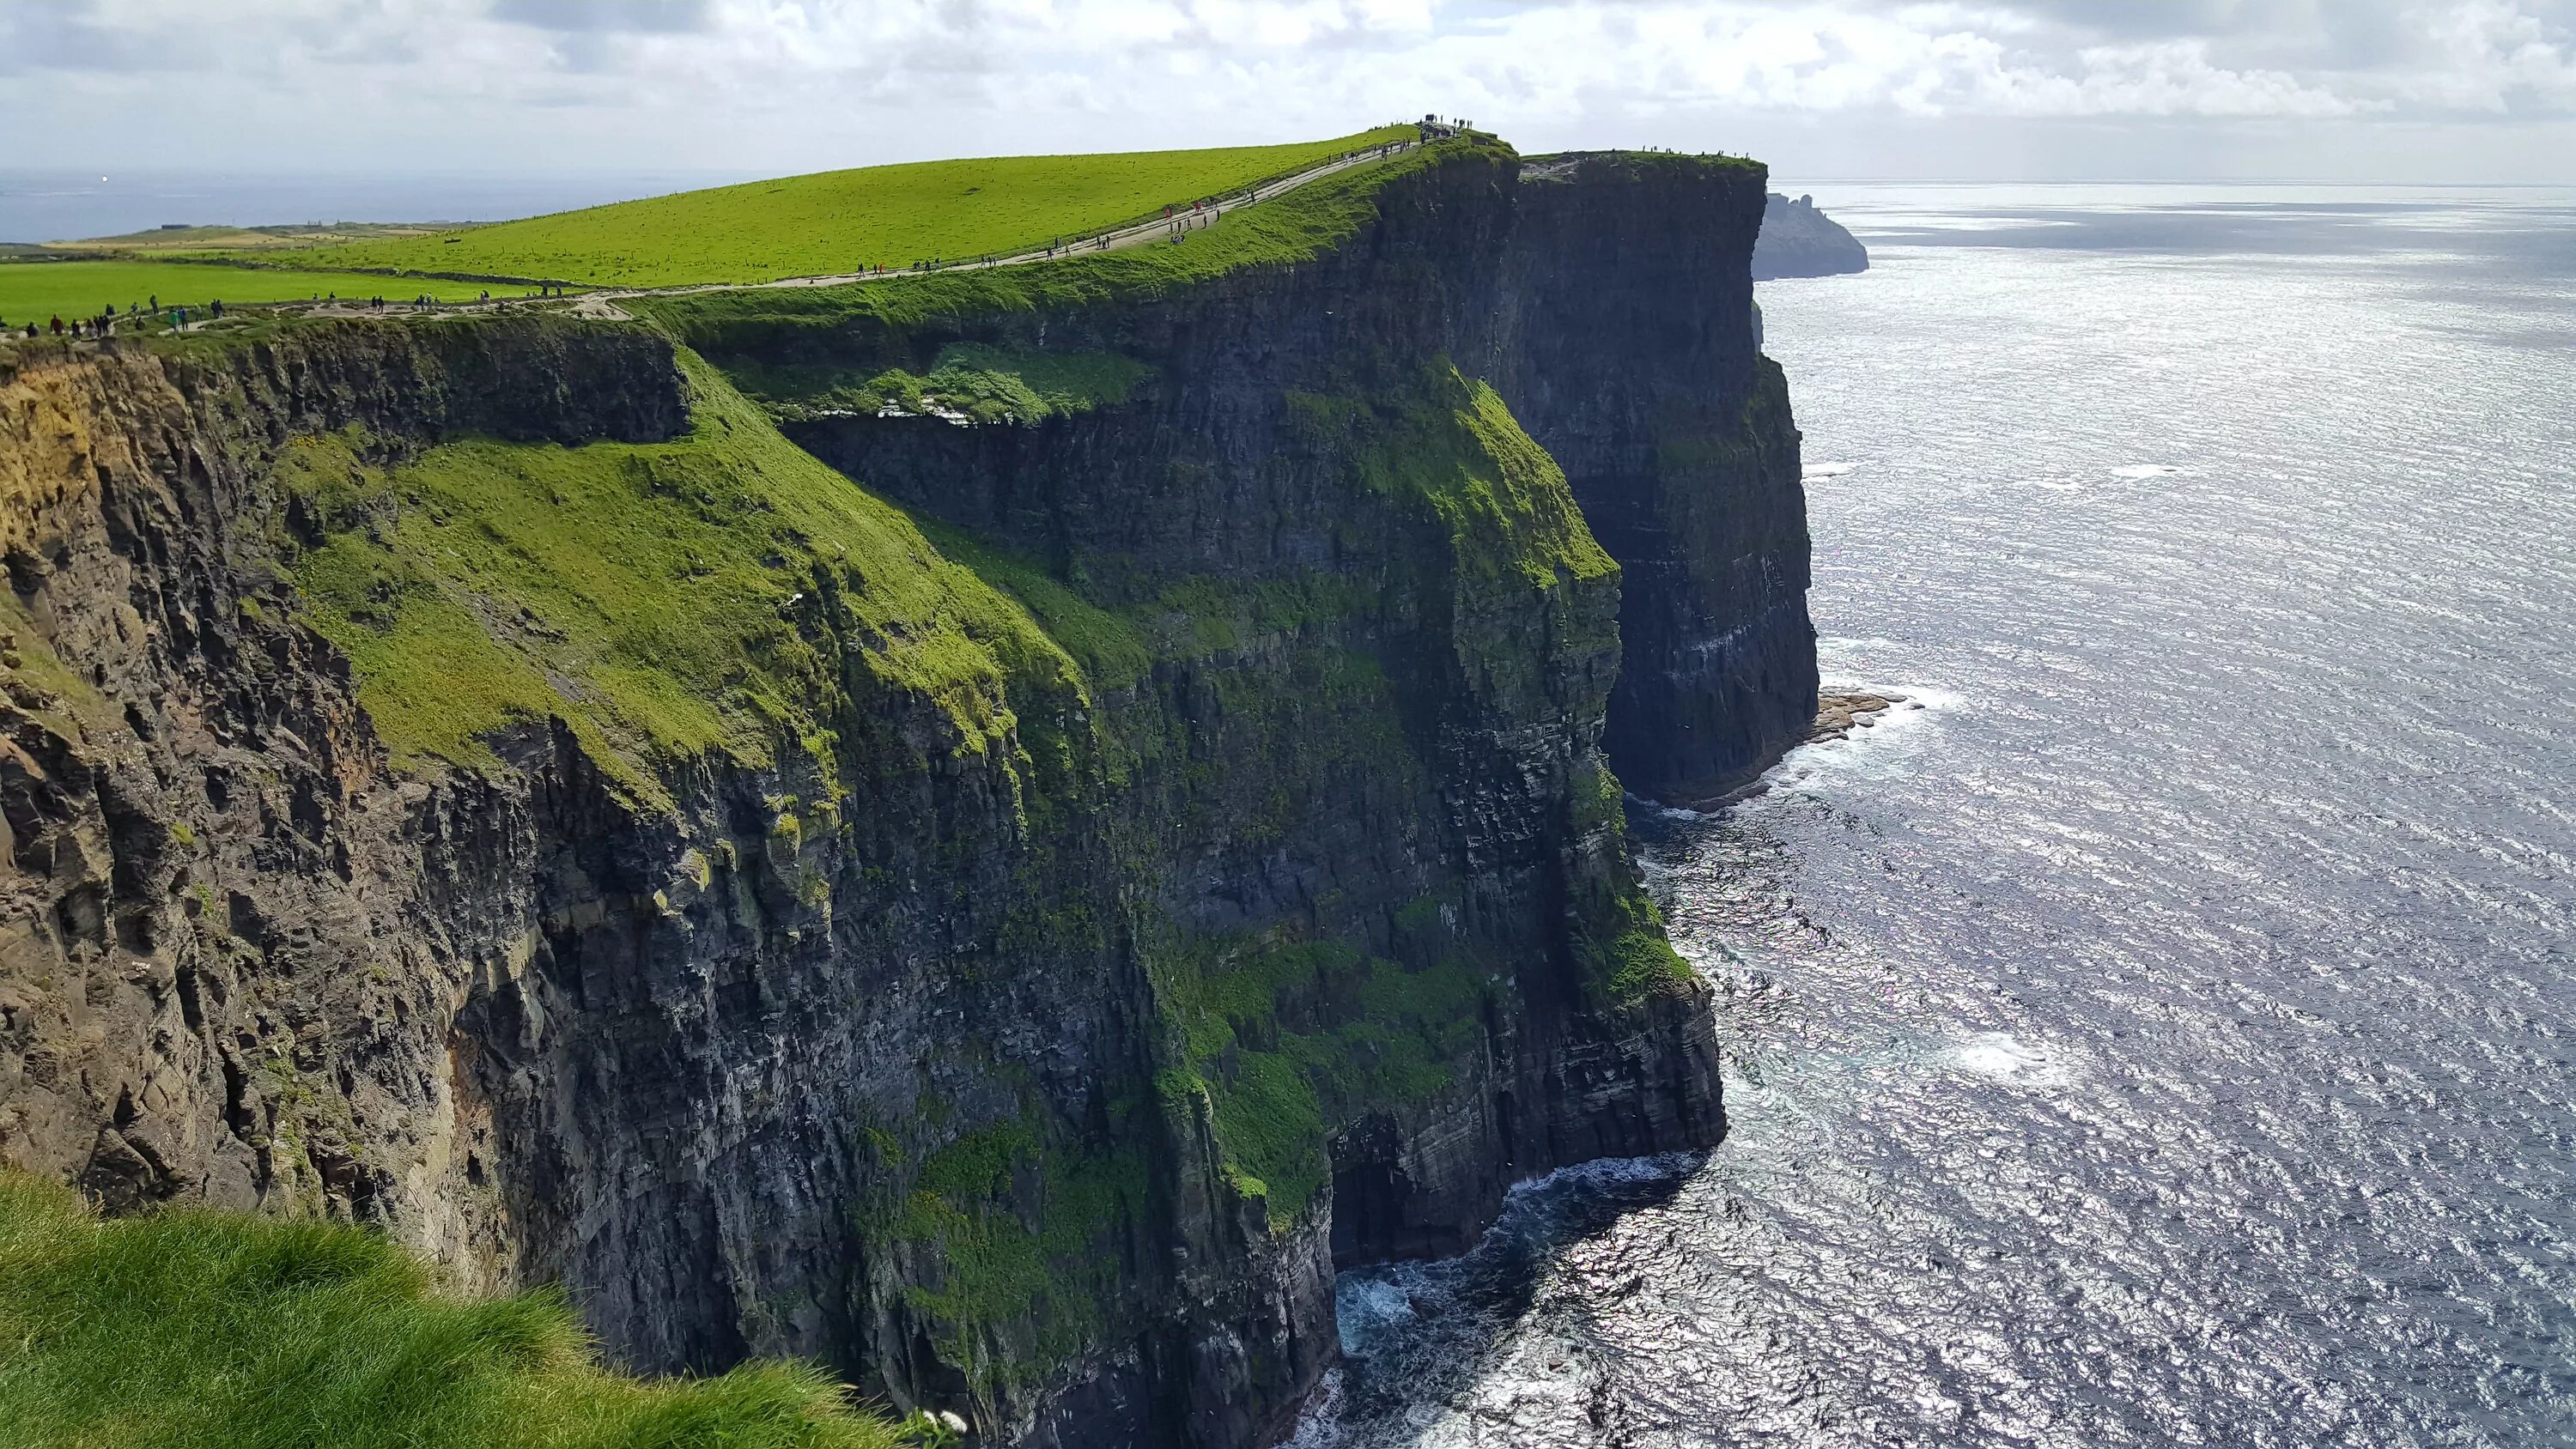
(251, 238)
(208, 1330)
(1296, 227)
(836, 221)
(814, 225)
(37, 291)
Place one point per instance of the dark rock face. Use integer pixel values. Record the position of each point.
(1627, 349)
(1800, 241)
(746, 1073)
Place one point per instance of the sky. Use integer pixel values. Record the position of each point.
(2474, 91)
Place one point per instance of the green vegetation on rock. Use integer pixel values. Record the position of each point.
(665, 600)
(1452, 443)
(206, 1330)
(970, 382)
(1619, 933)
(835, 222)
(1020, 1232)
(1288, 1041)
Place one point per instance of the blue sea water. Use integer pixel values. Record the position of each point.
(49, 205)
(2165, 1034)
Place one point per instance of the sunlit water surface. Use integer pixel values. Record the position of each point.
(2166, 1034)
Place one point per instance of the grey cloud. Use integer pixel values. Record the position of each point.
(67, 35)
(590, 17)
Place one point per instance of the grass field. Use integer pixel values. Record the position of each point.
(206, 1330)
(838, 221)
(1302, 224)
(36, 291)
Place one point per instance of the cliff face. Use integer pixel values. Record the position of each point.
(1627, 347)
(1007, 929)
(1798, 240)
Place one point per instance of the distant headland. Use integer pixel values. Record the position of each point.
(1797, 240)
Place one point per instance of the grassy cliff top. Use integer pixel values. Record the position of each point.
(197, 1329)
(1642, 165)
(37, 291)
(1297, 226)
(837, 221)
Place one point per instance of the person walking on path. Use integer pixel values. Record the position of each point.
(58, 326)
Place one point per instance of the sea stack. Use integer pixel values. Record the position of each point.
(1800, 241)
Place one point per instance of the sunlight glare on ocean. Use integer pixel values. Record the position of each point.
(2167, 1035)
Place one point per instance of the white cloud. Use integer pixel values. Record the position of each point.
(523, 84)
(2497, 58)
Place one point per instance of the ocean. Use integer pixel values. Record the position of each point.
(2162, 1029)
(49, 206)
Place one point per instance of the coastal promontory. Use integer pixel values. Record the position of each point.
(981, 824)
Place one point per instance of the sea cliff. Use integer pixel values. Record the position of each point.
(1799, 240)
(985, 830)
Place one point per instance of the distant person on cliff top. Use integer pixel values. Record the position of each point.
(58, 326)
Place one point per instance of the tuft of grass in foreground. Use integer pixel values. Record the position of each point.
(204, 1330)
(36, 291)
(837, 221)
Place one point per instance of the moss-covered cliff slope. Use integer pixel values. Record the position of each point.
(985, 830)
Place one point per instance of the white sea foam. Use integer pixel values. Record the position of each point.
(1816, 471)
(1368, 1303)
(1611, 1170)
(2136, 471)
(1999, 1056)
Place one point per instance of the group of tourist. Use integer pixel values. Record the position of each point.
(103, 324)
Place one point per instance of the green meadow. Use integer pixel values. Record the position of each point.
(838, 221)
(37, 291)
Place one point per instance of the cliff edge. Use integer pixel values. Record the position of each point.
(1627, 345)
(989, 830)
